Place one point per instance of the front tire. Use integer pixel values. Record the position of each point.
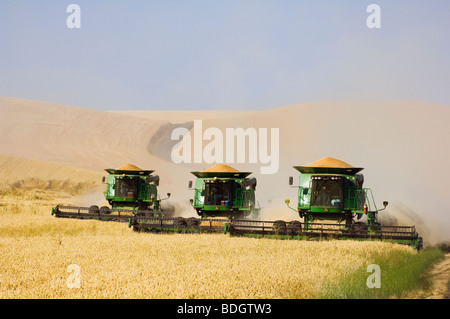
(93, 209)
(279, 226)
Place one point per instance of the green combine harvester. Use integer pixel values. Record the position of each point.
(331, 190)
(130, 191)
(332, 204)
(222, 191)
(221, 194)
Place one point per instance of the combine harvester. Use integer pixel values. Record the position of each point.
(130, 191)
(224, 199)
(221, 194)
(330, 190)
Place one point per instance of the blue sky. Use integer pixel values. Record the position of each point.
(229, 54)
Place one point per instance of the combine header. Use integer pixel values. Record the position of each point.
(221, 194)
(331, 190)
(129, 190)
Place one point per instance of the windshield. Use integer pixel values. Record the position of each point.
(326, 191)
(217, 191)
(125, 187)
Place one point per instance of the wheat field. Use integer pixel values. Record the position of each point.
(112, 261)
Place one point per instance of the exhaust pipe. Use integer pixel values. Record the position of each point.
(153, 179)
(249, 182)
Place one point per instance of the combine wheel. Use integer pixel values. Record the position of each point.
(93, 209)
(105, 210)
(192, 222)
(295, 227)
(279, 226)
(359, 228)
(179, 222)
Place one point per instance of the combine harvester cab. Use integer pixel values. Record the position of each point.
(129, 190)
(222, 191)
(221, 194)
(331, 190)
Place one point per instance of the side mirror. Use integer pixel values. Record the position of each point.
(168, 195)
(287, 201)
(190, 184)
(385, 203)
(191, 201)
(103, 179)
(291, 180)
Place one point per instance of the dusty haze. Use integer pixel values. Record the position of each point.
(402, 145)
